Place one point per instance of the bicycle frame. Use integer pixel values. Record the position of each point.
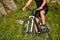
(32, 18)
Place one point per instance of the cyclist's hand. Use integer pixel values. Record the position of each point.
(24, 8)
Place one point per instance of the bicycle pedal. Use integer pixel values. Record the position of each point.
(38, 32)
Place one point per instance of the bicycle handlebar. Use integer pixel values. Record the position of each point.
(31, 9)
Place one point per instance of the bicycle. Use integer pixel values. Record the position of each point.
(28, 30)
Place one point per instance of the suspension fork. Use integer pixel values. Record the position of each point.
(32, 24)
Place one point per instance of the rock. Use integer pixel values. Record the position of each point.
(20, 21)
(2, 9)
(10, 4)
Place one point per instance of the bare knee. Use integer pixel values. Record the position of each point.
(42, 12)
(37, 20)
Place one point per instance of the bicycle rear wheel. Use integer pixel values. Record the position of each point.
(46, 35)
(27, 33)
(49, 28)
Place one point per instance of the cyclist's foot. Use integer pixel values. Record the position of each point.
(43, 28)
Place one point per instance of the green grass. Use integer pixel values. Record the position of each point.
(11, 30)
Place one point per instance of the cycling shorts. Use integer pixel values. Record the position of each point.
(37, 13)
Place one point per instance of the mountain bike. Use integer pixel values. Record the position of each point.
(28, 30)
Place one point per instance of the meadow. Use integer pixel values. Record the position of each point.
(10, 29)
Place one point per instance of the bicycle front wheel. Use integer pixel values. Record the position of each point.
(27, 29)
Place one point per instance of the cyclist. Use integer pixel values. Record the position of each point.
(42, 9)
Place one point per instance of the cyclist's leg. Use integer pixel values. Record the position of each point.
(44, 28)
(35, 24)
(42, 12)
(36, 21)
(42, 15)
